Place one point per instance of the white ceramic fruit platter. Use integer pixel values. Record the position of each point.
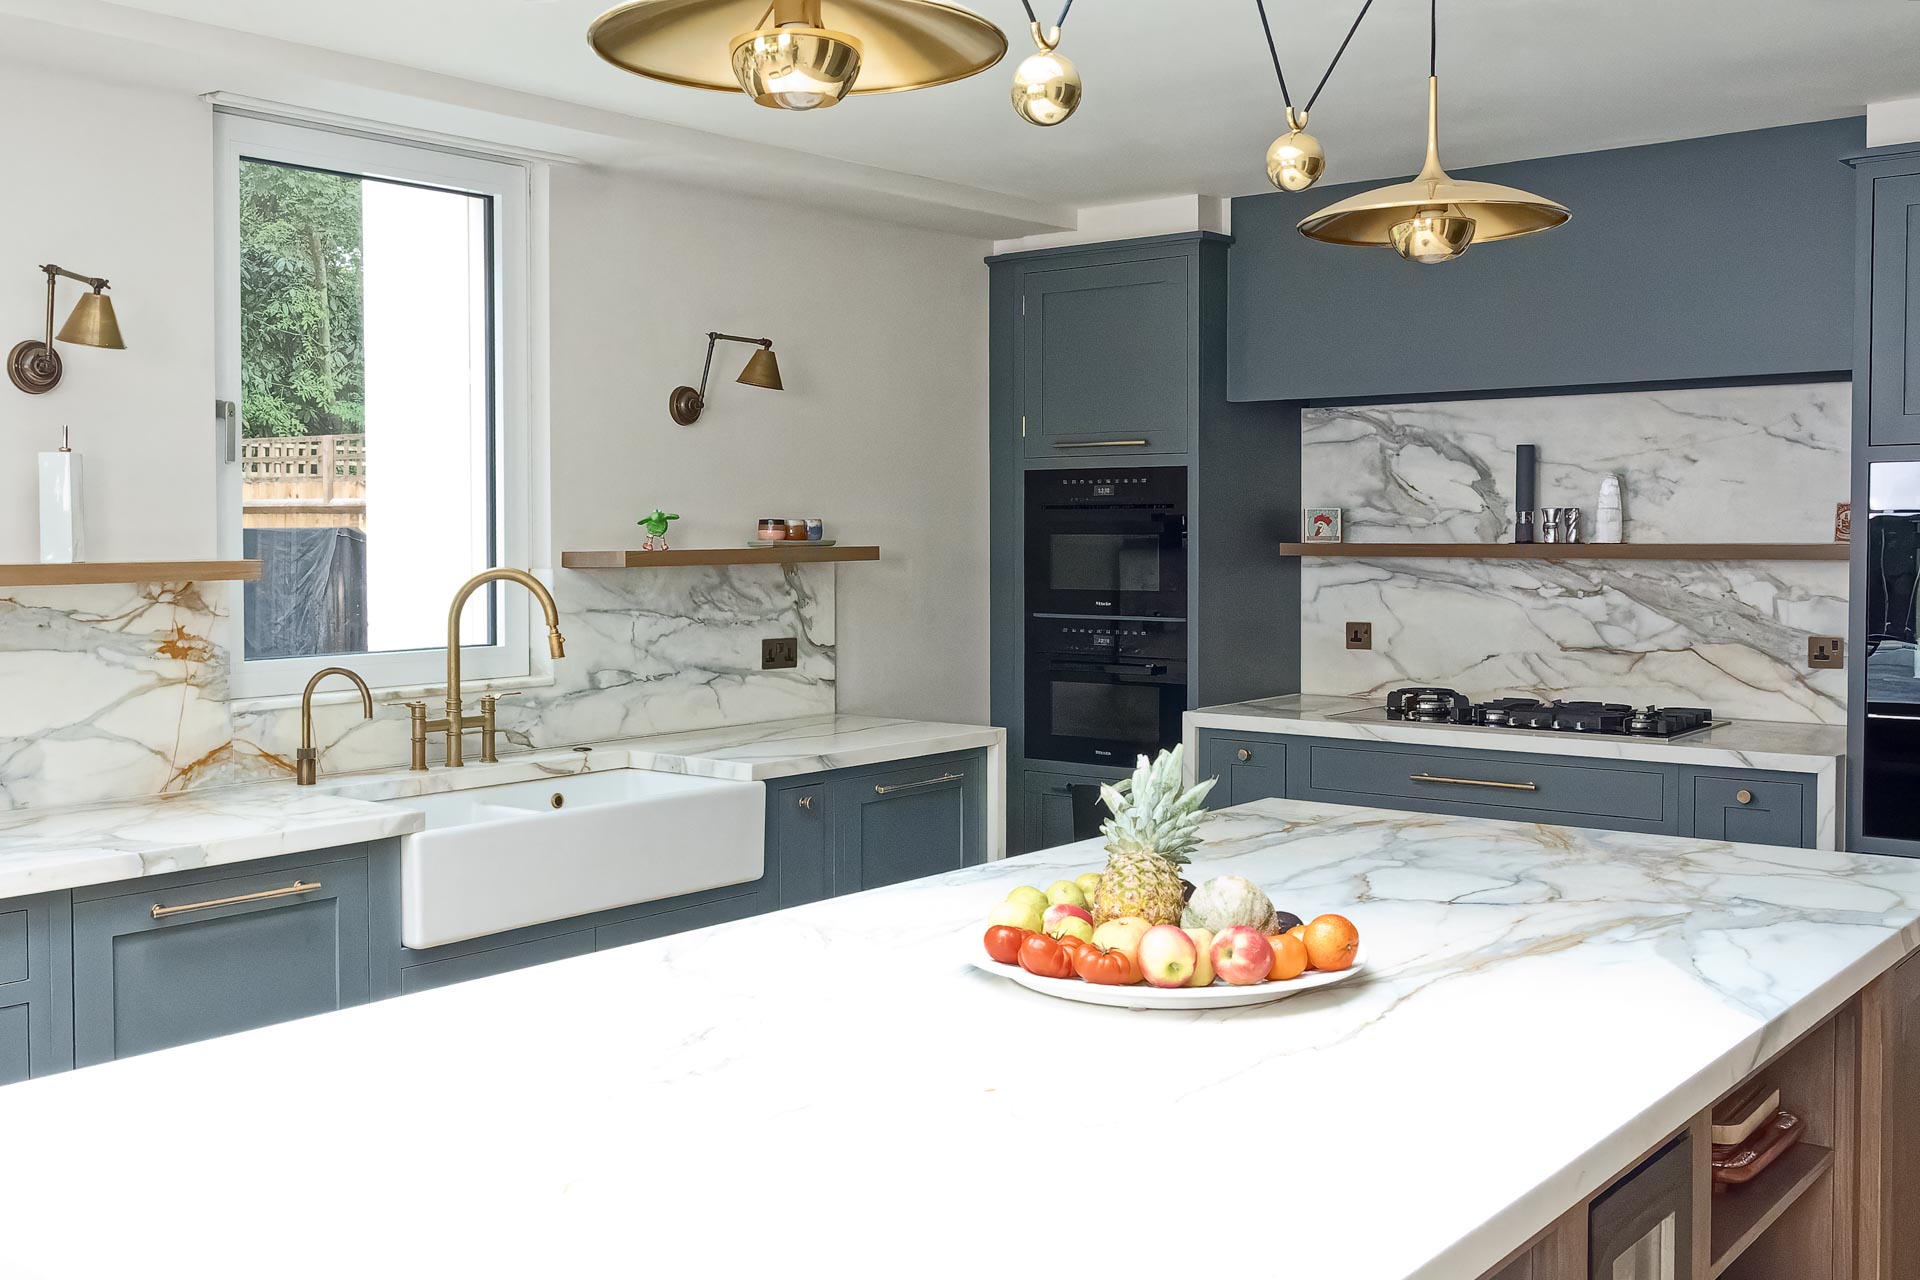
(1140, 996)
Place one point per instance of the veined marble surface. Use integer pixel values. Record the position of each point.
(839, 1077)
(1726, 464)
(46, 849)
(1816, 749)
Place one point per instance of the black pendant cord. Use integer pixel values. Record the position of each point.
(1433, 41)
(1275, 52)
(1024, 4)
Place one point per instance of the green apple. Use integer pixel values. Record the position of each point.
(1123, 934)
(1072, 925)
(1089, 884)
(1027, 893)
(1065, 891)
(1022, 914)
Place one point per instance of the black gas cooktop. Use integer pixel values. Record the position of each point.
(1445, 706)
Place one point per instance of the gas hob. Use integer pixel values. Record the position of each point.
(1439, 706)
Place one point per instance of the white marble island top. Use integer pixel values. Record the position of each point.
(42, 850)
(833, 1088)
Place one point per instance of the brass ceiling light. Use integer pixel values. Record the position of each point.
(1296, 159)
(1435, 217)
(34, 365)
(762, 370)
(1046, 86)
(798, 55)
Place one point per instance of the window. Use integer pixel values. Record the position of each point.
(371, 332)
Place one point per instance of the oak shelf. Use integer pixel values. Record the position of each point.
(115, 571)
(1741, 1215)
(1570, 550)
(775, 553)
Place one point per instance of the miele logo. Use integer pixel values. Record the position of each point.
(1104, 604)
(1097, 751)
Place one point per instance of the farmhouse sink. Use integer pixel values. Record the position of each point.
(522, 853)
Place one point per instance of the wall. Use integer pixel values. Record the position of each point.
(1739, 464)
(116, 691)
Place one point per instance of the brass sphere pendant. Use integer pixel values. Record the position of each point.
(1432, 236)
(1296, 159)
(1046, 87)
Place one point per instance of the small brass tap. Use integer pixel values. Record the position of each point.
(306, 761)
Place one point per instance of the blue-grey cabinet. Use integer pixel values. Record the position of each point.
(1047, 807)
(1756, 808)
(35, 996)
(179, 958)
(1893, 377)
(799, 842)
(1249, 767)
(1108, 358)
(907, 821)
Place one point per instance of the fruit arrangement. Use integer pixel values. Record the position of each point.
(1051, 933)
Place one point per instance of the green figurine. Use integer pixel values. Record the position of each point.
(656, 527)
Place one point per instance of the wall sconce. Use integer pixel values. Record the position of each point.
(762, 370)
(34, 365)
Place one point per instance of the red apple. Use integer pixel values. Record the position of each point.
(1242, 956)
(1050, 922)
(1167, 956)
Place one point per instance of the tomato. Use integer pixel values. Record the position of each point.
(1045, 957)
(1106, 968)
(1073, 946)
(1003, 942)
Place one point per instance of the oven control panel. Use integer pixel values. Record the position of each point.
(1108, 639)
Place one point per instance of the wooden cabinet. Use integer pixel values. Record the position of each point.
(1248, 767)
(188, 957)
(902, 823)
(1108, 358)
(1893, 361)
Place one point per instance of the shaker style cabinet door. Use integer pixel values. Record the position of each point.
(1894, 361)
(35, 1038)
(798, 844)
(184, 960)
(1751, 811)
(1108, 360)
(903, 823)
(1248, 768)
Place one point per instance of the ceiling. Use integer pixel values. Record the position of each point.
(1180, 96)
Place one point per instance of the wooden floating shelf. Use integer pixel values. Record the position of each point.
(1570, 550)
(114, 571)
(774, 553)
(1740, 1215)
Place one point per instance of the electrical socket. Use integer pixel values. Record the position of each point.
(1359, 635)
(1826, 652)
(781, 654)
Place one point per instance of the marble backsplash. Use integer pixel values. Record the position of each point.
(117, 691)
(1729, 464)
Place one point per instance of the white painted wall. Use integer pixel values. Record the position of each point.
(881, 333)
(1893, 122)
(116, 182)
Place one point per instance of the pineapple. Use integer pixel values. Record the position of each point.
(1152, 830)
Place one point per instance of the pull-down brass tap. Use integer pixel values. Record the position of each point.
(454, 723)
(306, 761)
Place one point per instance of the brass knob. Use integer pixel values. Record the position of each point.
(806, 802)
(1244, 754)
(557, 800)
(1744, 796)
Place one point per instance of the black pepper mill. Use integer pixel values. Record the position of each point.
(1526, 460)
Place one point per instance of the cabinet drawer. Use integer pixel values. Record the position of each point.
(679, 920)
(1534, 788)
(484, 964)
(14, 928)
(1750, 810)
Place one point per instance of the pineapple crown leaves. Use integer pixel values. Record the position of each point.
(1150, 811)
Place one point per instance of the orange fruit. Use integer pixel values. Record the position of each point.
(1331, 942)
(1298, 931)
(1289, 957)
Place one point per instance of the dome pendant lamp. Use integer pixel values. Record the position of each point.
(1435, 217)
(798, 55)
(1046, 87)
(1296, 159)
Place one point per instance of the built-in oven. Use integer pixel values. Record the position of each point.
(1107, 542)
(1103, 690)
(1890, 767)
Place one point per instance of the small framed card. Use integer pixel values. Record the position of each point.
(1843, 522)
(1320, 524)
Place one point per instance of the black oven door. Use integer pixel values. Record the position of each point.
(1092, 712)
(1107, 546)
(1890, 769)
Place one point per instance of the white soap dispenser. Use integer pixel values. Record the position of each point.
(1608, 520)
(62, 524)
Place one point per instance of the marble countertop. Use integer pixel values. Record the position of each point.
(835, 1081)
(46, 849)
(1816, 749)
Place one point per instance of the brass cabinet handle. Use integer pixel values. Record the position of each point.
(1100, 444)
(1744, 796)
(1475, 782)
(297, 887)
(806, 802)
(1244, 754)
(924, 782)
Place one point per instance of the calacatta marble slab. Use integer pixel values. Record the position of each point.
(1818, 750)
(47, 849)
(833, 1087)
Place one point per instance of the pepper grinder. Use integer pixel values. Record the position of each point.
(62, 523)
(1526, 463)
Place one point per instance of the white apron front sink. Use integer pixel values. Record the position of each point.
(523, 853)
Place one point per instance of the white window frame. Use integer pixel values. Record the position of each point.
(509, 183)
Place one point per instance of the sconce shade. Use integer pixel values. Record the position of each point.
(762, 371)
(92, 323)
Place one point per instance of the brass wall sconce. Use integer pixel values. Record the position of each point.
(762, 370)
(34, 365)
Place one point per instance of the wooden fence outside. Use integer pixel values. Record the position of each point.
(304, 482)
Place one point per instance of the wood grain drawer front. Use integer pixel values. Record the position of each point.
(1533, 785)
(14, 929)
(1749, 811)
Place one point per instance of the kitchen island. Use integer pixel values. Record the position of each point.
(833, 1088)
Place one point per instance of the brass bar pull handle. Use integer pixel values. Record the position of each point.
(1475, 782)
(297, 887)
(1100, 444)
(924, 782)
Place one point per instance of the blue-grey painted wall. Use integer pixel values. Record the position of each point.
(1712, 258)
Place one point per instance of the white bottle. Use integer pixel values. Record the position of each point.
(1608, 521)
(62, 523)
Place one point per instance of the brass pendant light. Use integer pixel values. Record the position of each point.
(1435, 217)
(1046, 86)
(1296, 159)
(798, 55)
